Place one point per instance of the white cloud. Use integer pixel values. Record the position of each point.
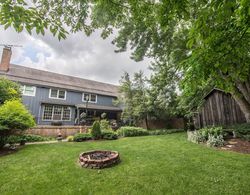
(78, 55)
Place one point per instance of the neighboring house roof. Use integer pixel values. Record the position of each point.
(33, 76)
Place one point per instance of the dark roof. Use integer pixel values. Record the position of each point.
(212, 91)
(33, 76)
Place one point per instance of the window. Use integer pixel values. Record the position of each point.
(87, 97)
(56, 113)
(57, 94)
(28, 90)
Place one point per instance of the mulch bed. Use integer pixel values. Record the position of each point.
(237, 145)
(7, 151)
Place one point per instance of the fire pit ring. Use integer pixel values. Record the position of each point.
(99, 159)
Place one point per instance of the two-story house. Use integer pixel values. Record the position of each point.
(55, 97)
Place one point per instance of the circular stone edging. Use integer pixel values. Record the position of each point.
(86, 161)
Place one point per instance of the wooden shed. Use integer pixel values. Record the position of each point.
(219, 108)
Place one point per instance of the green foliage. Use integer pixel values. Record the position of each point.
(195, 137)
(164, 131)
(195, 45)
(242, 130)
(215, 131)
(132, 131)
(212, 136)
(27, 138)
(109, 135)
(134, 97)
(80, 137)
(215, 141)
(9, 90)
(104, 125)
(70, 138)
(96, 130)
(13, 117)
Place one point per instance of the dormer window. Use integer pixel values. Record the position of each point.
(28, 90)
(57, 94)
(87, 97)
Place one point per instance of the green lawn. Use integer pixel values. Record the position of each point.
(150, 165)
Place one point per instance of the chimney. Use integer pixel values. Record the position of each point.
(5, 62)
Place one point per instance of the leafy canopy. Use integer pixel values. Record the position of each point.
(9, 90)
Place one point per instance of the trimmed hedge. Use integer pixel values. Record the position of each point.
(80, 137)
(109, 135)
(164, 131)
(27, 138)
(132, 131)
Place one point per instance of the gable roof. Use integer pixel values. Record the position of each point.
(212, 91)
(38, 77)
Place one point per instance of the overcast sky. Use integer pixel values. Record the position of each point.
(87, 57)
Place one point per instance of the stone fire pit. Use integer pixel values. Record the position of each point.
(99, 159)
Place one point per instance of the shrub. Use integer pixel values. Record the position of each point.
(216, 131)
(80, 137)
(13, 117)
(36, 138)
(242, 130)
(164, 131)
(104, 124)
(109, 135)
(13, 139)
(215, 140)
(196, 137)
(96, 130)
(132, 131)
(70, 138)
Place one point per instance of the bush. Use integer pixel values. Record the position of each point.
(36, 138)
(13, 139)
(109, 135)
(164, 131)
(13, 117)
(242, 131)
(132, 131)
(104, 124)
(215, 140)
(216, 131)
(80, 137)
(196, 137)
(70, 138)
(96, 130)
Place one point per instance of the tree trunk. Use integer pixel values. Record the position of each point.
(146, 121)
(244, 105)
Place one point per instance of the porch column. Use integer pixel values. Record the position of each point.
(78, 115)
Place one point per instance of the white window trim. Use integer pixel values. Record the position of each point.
(23, 91)
(57, 98)
(83, 94)
(53, 107)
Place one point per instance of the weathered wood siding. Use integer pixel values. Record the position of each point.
(219, 108)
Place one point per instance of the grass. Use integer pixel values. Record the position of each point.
(166, 164)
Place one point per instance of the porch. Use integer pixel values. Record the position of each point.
(93, 112)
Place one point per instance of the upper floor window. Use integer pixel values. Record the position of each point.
(28, 90)
(87, 97)
(57, 94)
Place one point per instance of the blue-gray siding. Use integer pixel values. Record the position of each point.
(33, 103)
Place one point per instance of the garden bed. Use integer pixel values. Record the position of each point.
(237, 145)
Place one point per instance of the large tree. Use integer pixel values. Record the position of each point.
(202, 42)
